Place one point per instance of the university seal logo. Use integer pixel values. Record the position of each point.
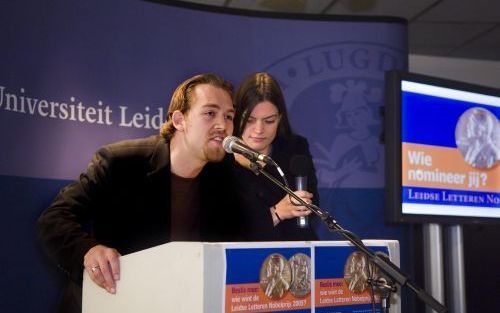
(334, 93)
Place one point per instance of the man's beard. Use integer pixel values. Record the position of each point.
(214, 154)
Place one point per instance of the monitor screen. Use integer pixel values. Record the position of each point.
(442, 150)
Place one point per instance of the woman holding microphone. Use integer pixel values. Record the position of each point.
(261, 121)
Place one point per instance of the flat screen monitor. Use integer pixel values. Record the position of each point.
(442, 150)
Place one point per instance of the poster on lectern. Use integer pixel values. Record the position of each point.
(300, 279)
(268, 280)
(341, 280)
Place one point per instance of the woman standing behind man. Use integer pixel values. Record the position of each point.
(261, 121)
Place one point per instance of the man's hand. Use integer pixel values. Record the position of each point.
(103, 266)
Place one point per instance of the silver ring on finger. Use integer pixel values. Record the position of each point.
(95, 268)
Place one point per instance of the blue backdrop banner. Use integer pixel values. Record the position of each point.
(79, 74)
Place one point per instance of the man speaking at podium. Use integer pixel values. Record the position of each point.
(140, 193)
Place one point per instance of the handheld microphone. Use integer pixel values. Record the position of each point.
(299, 167)
(233, 144)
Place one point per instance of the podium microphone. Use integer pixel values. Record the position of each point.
(232, 144)
(299, 167)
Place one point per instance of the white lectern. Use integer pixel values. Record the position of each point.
(192, 277)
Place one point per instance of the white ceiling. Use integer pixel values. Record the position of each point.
(450, 28)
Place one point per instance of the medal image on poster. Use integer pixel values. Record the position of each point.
(300, 265)
(275, 276)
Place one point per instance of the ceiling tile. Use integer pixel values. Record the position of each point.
(444, 33)
(208, 2)
(289, 6)
(464, 11)
(489, 39)
(406, 9)
(475, 53)
(486, 46)
(436, 50)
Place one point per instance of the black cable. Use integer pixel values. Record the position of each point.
(372, 296)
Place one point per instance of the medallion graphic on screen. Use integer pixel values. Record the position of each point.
(334, 93)
(477, 136)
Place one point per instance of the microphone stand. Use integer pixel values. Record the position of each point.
(382, 262)
(386, 289)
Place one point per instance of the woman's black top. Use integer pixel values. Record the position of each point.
(258, 194)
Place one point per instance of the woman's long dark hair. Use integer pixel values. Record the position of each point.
(255, 89)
